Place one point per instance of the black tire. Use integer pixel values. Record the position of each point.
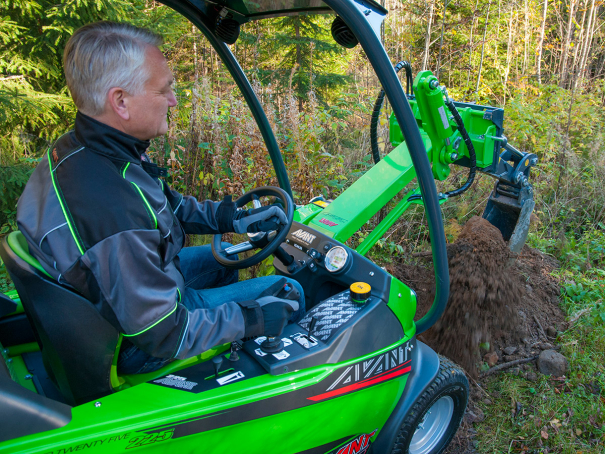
(447, 395)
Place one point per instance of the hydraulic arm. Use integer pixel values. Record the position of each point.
(463, 134)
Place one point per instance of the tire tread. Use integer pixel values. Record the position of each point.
(449, 374)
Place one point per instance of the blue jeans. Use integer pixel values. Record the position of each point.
(207, 285)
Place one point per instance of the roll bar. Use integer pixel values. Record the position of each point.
(357, 20)
(357, 16)
(200, 20)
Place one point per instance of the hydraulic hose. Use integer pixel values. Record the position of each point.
(378, 107)
(449, 102)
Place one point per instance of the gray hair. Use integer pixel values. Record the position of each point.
(104, 55)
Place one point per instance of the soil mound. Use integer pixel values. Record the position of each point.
(494, 298)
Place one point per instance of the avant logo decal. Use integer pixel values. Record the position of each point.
(375, 370)
(359, 445)
(328, 223)
(304, 236)
(176, 381)
(373, 366)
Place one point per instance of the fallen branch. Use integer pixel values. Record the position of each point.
(470, 377)
(508, 365)
(575, 317)
(541, 329)
(478, 385)
(11, 78)
(423, 254)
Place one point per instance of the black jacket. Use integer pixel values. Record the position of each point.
(97, 221)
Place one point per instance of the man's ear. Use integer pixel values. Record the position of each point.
(117, 99)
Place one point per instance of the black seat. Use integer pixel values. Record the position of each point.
(77, 344)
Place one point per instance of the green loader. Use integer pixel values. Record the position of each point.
(351, 376)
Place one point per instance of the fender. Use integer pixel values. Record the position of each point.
(425, 366)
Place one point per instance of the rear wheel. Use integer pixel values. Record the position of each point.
(434, 419)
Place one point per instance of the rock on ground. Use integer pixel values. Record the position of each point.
(510, 350)
(551, 362)
(491, 359)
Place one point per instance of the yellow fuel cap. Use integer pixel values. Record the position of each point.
(360, 292)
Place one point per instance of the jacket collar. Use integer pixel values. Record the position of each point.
(108, 141)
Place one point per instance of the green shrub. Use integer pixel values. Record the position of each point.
(12, 183)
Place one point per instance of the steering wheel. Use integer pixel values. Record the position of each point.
(262, 240)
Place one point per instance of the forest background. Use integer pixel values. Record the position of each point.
(542, 60)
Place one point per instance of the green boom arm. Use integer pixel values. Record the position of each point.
(344, 216)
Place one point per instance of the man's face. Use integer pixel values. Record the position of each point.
(149, 109)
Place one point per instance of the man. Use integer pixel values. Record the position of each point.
(99, 219)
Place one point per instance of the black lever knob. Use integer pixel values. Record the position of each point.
(283, 256)
(272, 344)
(216, 362)
(233, 355)
(312, 326)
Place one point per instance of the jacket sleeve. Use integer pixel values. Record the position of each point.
(127, 273)
(200, 218)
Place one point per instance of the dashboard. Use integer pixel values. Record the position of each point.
(336, 327)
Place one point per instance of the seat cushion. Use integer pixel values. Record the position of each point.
(18, 244)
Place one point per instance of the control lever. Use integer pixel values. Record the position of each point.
(216, 362)
(285, 258)
(288, 292)
(312, 327)
(233, 355)
(273, 344)
(281, 289)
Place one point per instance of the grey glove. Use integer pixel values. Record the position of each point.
(267, 315)
(263, 219)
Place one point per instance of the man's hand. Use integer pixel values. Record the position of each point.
(263, 219)
(267, 316)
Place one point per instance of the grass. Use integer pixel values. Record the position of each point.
(550, 415)
(556, 415)
(6, 284)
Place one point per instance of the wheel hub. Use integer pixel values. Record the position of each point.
(433, 426)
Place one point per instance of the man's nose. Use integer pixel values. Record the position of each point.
(172, 99)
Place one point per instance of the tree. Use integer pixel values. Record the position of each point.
(301, 55)
(34, 103)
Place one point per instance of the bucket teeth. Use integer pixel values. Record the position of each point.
(509, 209)
(519, 236)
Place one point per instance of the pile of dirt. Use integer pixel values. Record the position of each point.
(512, 303)
(494, 299)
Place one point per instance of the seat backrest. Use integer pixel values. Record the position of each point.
(77, 343)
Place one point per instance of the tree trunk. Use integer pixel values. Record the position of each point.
(541, 43)
(578, 46)
(196, 73)
(298, 60)
(311, 67)
(525, 37)
(482, 49)
(497, 40)
(509, 50)
(470, 51)
(587, 42)
(427, 40)
(441, 42)
(565, 49)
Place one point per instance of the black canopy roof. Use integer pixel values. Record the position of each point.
(260, 9)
